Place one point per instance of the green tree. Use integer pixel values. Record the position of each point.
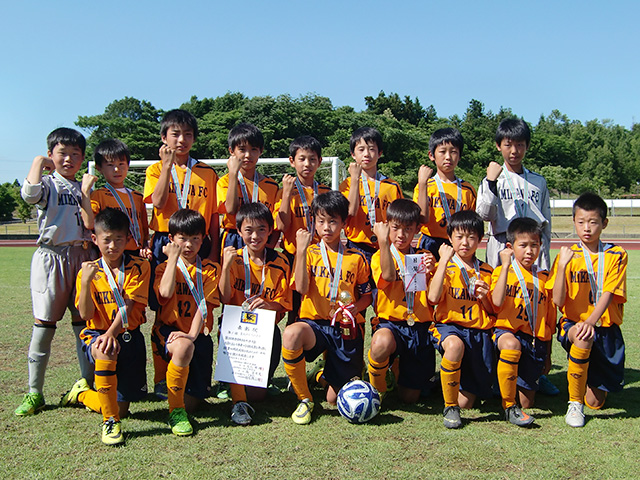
(7, 201)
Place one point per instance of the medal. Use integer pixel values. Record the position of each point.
(334, 279)
(243, 188)
(182, 194)
(247, 278)
(371, 202)
(409, 295)
(126, 336)
(332, 310)
(134, 228)
(472, 286)
(374, 239)
(206, 331)
(521, 209)
(197, 289)
(443, 197)
(305, 205)
(410, 318)
(530, 304)
(117, 288)
(246, 306)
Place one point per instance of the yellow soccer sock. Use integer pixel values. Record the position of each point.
(238, 393)
(450, 380)
(91, 400)
(296, 367)
(107, 388)
(577, 373)
(378, 373)
(508, 376)
(176, 382)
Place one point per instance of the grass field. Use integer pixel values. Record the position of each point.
(402, 442)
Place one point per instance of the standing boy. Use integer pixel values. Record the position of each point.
(64, 220)
(590, 289)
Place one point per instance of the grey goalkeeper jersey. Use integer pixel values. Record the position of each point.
(59, 219)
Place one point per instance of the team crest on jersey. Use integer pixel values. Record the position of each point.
(249, 317)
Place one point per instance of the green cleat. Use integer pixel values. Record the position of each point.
(179, 422)
(71, 397)
(112, 432)
(31, 404)
(302, 415)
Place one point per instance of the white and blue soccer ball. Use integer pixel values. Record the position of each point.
(358, 401)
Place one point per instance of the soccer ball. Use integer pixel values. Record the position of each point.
(358, 401)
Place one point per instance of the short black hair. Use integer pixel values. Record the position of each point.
(66, 136)
(305, 142)
(112, 220)
(187, 222)
(178, 117)
(109, 150)
(368, 134)
(446, 135)
(246, 133)
(523, 225)
(466, 221)
(591, 202)
(404, 211)
(333, 203)
(254, 211)
(513, 129)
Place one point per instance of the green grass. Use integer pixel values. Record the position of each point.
(402, 442)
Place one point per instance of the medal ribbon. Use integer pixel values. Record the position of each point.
(410, 296)
(133, 222)
(72, 190)
(335, 278)
(596, 283)
(371, 202)
(305, 205)
(443, 197)
(182, 193)
(247, 275)
(532, 310)
(243, 188)
(465, 275)
(520, 209)
(116, 289)
(196, 291)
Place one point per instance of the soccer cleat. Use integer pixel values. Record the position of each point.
(31, 404)
(179, 422)
(451, 417)
(575, 415)
(160, 390)
(516, 416)
(240, 413)
(71, 397)
(112, 432)
(313, 377)
(302, 415)
(223, 391)
(546, 387)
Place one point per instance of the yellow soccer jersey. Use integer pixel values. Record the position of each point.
(276, 280)
(354, 279)
(267, 193)
(178, 311)
(298, 218)
(201, 196)
(103, 198)
(136, 287)
(391, 303)
(437, 225)
(512, 315)
(579, 301)
(358, 227)
(456, 304)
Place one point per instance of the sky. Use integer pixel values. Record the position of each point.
(66, 59)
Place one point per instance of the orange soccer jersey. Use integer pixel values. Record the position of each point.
(298, 218)
(102, 198)
(354, 278)
(513, 316)
(136, 288)
(358, 227)
(391, 303)
(437, 225)
(456, 305)
(201, 196)
(179, 310)
(267, 193)
(579, 300)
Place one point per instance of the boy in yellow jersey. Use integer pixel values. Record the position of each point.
(525, 319)
(187, 289)
(403, 316)
(112, 159)
(111, 296)
(257, 277)
(590, 289)
(459, 288)
(369, 192)
(443, 194)
(293, 205)
(335, 288)
(243, 183)
(176, 182)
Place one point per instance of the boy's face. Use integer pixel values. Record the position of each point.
(190, 245)
(366, 154)
(67, 160)
(446, 158)
(526, 248)
(589, 225)
(248, 155)
(255, 234)
(179, 138)
(464, 243)
(328, 227)
(115, 171)
(305, 163)
(513, 152)
(401, 234)
(111, 243)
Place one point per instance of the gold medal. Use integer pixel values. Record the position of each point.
(345, 297)
(206, 331)
(599, 322)
(410, 318)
